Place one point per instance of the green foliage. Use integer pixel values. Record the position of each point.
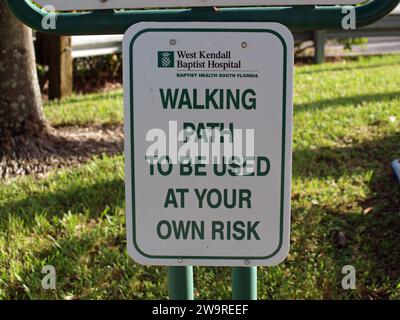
(98, 109)
(349, 42)
(94, 72)
(346, 132)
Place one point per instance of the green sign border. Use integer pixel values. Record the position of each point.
(283, 154)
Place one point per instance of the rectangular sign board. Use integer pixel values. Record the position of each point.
(208, 133)
(132, 4)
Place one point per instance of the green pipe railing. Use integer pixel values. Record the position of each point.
(117, 22)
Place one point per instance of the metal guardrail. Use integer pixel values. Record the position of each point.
(86, 46)
(90, 46)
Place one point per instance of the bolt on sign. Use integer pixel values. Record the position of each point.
(131, 4)
(208, 132)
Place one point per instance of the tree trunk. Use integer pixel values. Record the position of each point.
(21, 114)
(28, 145)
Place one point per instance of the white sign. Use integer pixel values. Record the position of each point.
(208, 130)
(131, 4)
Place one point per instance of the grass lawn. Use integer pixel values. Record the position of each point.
(346, 132)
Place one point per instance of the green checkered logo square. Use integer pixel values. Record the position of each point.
(166, 59)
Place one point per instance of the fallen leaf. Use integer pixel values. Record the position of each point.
(368, 210)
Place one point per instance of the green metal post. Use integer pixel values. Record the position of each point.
(244, 283)
(180, 283)
(319, 46)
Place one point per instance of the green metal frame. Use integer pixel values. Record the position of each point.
(117, 22)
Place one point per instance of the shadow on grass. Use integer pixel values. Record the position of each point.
(92, 199)
(374, 155)
(373, 237)
(65, 147)
(372, 242)
(91, 267)
(351, 100)
(373, 245)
